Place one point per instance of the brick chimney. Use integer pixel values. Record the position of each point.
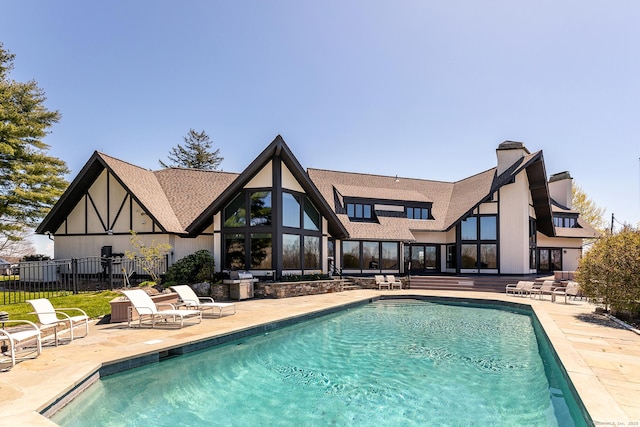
(560, 186)
(508, 153)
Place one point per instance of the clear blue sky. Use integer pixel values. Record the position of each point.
(424, 89)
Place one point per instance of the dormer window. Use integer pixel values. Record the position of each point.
(360, 211)
(418, 213)
(565, 221)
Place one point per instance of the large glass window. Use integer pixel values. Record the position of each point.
(260, 208)
(389, 258)
(488, 255)
(234, 251)
(290, 210)
(311, 252)
(351, 255)
(261, 251)
(370, 255)
(469, 256)
(311, 216)
(470, 228)
(291, 252)
(235, 213)
(488, 228)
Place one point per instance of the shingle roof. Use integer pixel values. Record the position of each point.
(450, 200)
(190, 191)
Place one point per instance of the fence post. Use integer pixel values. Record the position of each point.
(74, 274)
(110, 272)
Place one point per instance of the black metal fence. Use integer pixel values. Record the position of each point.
(44, 279)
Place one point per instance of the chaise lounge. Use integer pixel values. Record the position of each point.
(188, 298)
(48, 316)
(19, 337)
(146, 308)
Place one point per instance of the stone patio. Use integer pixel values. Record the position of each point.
(601, 357)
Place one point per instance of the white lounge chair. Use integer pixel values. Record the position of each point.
(546, 288)
(19, 337)
(48, 316)
(516, 288)
(571, 290)
(393, 283)
(146, 308)
(188, 298)
(381, 282)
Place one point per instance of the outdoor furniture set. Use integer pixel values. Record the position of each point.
(27, 337)
(547, 287)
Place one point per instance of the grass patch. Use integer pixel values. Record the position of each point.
(95, 304)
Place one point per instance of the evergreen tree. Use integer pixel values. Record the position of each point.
(195, 154)
(30, 180)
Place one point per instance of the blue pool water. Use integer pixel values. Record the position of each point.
(388, 363)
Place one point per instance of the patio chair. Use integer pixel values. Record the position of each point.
(546, 288)
(188, 298)
(146, 308)
(571, 290)
(48, 316)
(393, 283)
(19, 337)
(381, 282)
(515, 288)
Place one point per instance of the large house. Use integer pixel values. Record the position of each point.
(275, 218)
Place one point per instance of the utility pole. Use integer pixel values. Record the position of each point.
(612, 218)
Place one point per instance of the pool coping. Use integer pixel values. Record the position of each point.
(108, 347)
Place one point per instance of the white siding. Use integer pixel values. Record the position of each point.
(514, 226)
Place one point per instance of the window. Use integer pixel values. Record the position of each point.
(371, 255)
(235, 213)
(234, 251)
(480, 247)
(351, 255)
(488, 256)
(290, 210)
(470, 228)
(261, 251)
(359, 211)
(533, 243)
(291, 252)
(488, 228)
(565, 221)
(260, 208)
(417, 213)
(389, 258)
(469, 256)
(311, 216)
(311, 253)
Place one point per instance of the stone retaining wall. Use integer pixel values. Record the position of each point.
(294, 289)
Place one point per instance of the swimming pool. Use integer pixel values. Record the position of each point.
(409, 362)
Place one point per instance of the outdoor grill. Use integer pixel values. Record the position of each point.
(240, 284)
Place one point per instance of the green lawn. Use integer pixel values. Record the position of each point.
(95, 304)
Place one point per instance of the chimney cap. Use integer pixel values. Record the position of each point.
(560, 176)
(512, 145)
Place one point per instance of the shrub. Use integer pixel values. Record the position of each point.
(195, 268)
(610, 271)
